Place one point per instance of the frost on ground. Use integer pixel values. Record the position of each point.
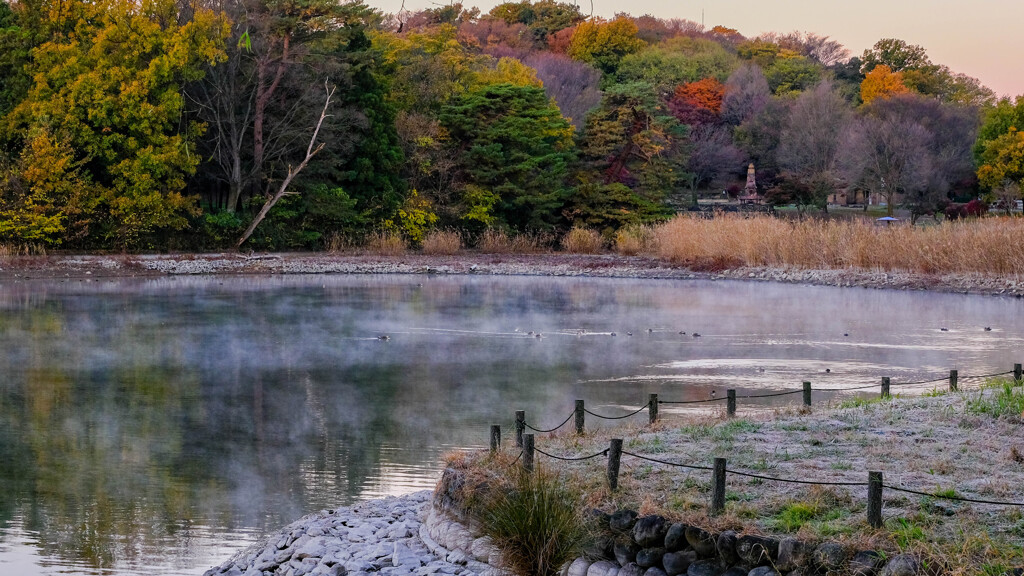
(967, 444)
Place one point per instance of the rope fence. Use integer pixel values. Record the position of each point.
(731, 397)
(614, 452)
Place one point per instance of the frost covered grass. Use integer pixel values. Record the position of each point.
(966, 444)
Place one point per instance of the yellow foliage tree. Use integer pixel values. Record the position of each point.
(603, 44)
(882, 82)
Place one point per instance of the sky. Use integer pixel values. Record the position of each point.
(980, 38)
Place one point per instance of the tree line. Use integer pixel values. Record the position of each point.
(174, 125)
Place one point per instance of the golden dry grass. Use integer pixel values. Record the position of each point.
(12, 250)
(445, 242)
(386, 244)
(582, 241)
(634, 240)
(500, 242)
(987, 245)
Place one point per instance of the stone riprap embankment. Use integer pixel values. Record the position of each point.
(383, 537)
(556, 264)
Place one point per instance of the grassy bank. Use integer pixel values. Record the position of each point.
(967, 444)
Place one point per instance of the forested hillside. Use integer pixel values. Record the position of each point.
(162, 125)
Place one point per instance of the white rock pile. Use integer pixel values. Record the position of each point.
(379, 536)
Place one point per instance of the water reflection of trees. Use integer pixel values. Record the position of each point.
(127, 426)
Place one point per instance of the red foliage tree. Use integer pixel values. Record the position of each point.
(698, 102)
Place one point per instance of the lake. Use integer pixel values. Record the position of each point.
(157, 425)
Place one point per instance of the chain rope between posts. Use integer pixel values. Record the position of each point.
(691, 401)
(791, 481)
(571, 459)
(634, 413)
(564, 422)
(667, 463)
(955, 498)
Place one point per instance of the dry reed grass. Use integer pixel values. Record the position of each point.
(386, 244)
(987, 245)
(494, 241)
(443, 242)
(14, 250)
(634, 240)
(336, 242)
(582, 241)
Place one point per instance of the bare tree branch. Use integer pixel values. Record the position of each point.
(311, 151)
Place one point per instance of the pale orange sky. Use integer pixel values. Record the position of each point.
(980, 38)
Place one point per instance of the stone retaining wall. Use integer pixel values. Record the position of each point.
(653, 546)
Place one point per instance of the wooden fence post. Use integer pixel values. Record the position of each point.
(885, 386)
(614, 455)
(520, 427)
(528, 452)
(579, 416)
(730, 403)
(875, 499)
(807, 394)
(718, 491)
(952, 380)
(1017, 372)
(495, 437)
(652, 409)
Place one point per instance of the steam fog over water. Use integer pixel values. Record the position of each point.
(155, 426)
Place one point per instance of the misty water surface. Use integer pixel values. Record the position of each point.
(155, 426)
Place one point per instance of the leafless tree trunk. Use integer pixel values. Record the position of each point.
(311, 151)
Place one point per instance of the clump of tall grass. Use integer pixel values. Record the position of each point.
(12, 250)
(445, 242)
(998, 398)
(535, 523)
(582, 241)
(986, 245)
(386, 244)
(633, 240)
(494, 241)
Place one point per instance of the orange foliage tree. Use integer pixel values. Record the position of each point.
(882, 82)
(698, 102)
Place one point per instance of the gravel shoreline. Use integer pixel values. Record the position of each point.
(17, 269)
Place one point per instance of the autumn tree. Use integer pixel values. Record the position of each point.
(573, 85)
(810, 143)
(912, 150)
(631, 139)
(746, 93)
(677, 61)
(710, 155)
(105, 107)
(999, 149)
(881, 82)
(896, 54)
(604, 44)
(542, 18)
(821, 49)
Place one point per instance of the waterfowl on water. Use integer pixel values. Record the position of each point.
(613, 333)
(384, 337)
(828, 370)
(943, 329)
(988, 328)
(696, 335)
(682, 333)
(846, 333)
(629, 333)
